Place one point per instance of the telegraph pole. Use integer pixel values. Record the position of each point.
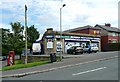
(26, 58)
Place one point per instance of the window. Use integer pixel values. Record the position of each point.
(94, 31)
(98, 32)
(114, 41)
(72, 47)
(114, 34)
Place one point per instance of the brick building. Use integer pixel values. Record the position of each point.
(53, 43)
(109, 35)
(85, 30)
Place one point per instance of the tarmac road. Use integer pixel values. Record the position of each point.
(102, 70)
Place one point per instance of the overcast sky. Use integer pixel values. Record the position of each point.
(46, 13)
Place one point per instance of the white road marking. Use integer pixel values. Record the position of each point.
(89, 71)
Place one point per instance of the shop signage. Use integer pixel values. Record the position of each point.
(75, 37)
(57, 36)
(78, 38)
(59, 46)
(49, 43)
(49, 36)
(65, 36)
(85, 37)
(71, 39)
(62, 36)
(96, 38)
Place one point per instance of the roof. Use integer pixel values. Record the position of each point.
(81, 28)
(111, 29)
(71, 34)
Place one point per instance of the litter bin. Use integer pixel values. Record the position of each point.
(53, 57)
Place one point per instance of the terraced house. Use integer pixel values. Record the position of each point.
(110, 37)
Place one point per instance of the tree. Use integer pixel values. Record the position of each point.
(6, 39)
(16, 27)
(17, 38)
(32, 35)
(14, 41)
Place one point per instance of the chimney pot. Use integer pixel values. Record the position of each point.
(108, 24)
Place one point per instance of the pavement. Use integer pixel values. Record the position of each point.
(68, 61)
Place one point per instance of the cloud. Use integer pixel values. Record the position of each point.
(94, 11)
(46, 13)
(5, 26)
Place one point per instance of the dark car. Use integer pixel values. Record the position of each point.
(4, 58)
(75, 50)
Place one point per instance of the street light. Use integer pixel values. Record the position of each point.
(61, 29)
(26, 34)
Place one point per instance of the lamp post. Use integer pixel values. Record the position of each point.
(61, 29)
(26, 34)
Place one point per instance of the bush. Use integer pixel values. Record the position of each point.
(114, 46)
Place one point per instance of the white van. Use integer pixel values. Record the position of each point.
(36, 48)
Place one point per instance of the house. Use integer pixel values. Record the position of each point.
(85, 30)
(109, 35)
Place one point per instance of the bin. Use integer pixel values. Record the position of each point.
(53, 57)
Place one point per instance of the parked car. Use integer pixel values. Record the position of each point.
(4, 58)
(75, 50)
(85, 50)
(94, 49)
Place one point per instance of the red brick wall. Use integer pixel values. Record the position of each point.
(104, 42)
(94, 31)
(114, 37)
(85, 31)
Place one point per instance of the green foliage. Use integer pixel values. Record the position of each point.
(6, 39)
(18, 62)
(16, 28)
(14, 41)
(18, 66)
(32, 34)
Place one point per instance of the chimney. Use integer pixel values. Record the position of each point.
(108, 24)
(49, 30)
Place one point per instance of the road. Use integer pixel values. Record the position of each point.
(101, 70)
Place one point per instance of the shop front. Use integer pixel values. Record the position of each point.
(53, 42)
(70, 41)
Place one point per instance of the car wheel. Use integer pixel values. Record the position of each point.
(95, 51)
(74, 52)
(81, 52)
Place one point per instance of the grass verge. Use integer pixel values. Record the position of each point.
(18, 65)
